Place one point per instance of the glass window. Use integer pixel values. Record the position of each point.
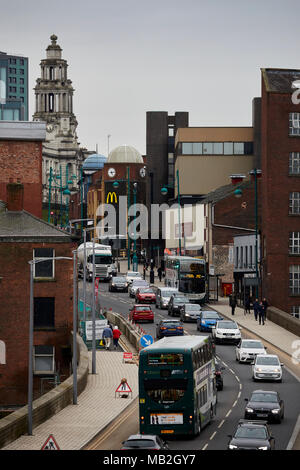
(166, 391)
(12, 70)
(22, 71)
(250, 433)
(44, 268)
(43, 362)
(294, 279)
(294, 243)
(44, 310)
(187, 148)
(296, 311)
(238, 148)
(197, 148)
(2, 84)
(228, 148)
(21, 81)
(294, 163)
(207, 148)
(12, 61)
(294, 123)
(218, 148)
(294, 206)
(165, 358)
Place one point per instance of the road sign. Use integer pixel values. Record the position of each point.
(127, 355)
(146, 340)
(123, 387)
(50, 444)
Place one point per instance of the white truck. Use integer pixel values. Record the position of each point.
(104, 265)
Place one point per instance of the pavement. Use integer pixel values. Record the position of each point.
(76, 425)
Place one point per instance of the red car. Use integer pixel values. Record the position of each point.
(141, 312)
(145, 294)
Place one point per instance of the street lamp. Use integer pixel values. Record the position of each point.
(31, 326)
(134, 259)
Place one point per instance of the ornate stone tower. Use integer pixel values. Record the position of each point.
(54, 104)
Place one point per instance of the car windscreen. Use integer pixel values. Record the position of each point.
(135, 443)
(210, 315)
(267, 361)
(227, 325)
(264, 397)
(251, 432)
(142, 309)
(171, 324)
(180, 300)
(102, 259)
(119, 280)
(139, 283)
(166, 294)
(146, 291)
(193, 307)
(252, 345)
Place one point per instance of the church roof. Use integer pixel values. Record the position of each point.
(94, 162)
(125, 154)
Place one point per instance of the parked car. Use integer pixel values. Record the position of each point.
(226, 331)
(218, 375)
(247, 349)
(163, 295)
(267, 367)
(265, 404)
(118, 284)
(190, 312)
(141, 313)
(175, 303)
(169, 328)
(135, 285)
(207, 319)
(252, 435)
(133, 275)
(144, 441)
(145, 294)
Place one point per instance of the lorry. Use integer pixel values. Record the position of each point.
(105, 268)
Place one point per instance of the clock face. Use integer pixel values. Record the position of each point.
(111, 172)
(49, 128)
(143, 172)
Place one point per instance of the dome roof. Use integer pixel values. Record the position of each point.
(94, 162)
(125, 154)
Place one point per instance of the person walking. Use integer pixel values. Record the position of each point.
(266, 305)
(116, 336)
(159, 273)
(247, 305)
(255, 308)
(232, 303)
(107, 336)
(261, 313)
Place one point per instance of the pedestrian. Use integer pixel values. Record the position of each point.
(255, 308)
(247, 305)
(232, 303)
(266, 305)
(261, 313)
(159, 273)
(116, 336)
(107, 336)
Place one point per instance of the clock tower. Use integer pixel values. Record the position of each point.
(54, 105)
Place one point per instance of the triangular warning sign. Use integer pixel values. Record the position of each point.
(123, 387)
(50, 444)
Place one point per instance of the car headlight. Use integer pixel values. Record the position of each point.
(231, 446)
(249, 410)
(203, 322)
(263, 448)
(258, 369)
(276, 410)
(276, 370)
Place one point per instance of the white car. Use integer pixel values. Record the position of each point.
(135, 285)
(226, 331)
(132, 275)
(267, 367)
(247, 350)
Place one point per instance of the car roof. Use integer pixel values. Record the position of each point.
(266, 391)
(252, 423)
(141, 436)
(142, 305)
(252, 340)
(171, 321)
(267, 355)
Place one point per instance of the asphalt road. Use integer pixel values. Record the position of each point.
(238, 385)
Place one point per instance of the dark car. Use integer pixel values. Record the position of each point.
(169, 328)
(118, 284)
(218, 375)
(144, 441)
(266, 405)
(190, 312)
(175, 303)
(252, 435)
(207, 319)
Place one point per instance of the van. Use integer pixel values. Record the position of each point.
(163, 295)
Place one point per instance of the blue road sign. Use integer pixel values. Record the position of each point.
(146, 340)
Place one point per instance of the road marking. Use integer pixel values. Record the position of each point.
(221, 423)
(206, 445)
(239, 394)
(240, 386)
(234, 404)
(213, 435)
(226, 416)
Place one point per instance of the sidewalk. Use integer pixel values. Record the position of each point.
(124, 269)
(74, 426)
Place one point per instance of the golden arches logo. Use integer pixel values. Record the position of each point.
(112, 197)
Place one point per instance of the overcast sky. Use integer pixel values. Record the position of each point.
(127, 57)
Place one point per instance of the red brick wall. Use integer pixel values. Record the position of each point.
(277, 184)
(21, 161)
(14, 317)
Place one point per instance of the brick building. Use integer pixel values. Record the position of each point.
(24, 237)
(280, 164)
(21, 160)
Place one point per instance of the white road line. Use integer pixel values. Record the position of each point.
(240, 386)
(239, 394)
(206, 445)
(221, 423)
(234, 404)
(226, 416)
(213, 435)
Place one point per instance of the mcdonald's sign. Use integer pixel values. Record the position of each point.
(111, 197)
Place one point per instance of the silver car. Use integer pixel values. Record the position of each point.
(267, 367)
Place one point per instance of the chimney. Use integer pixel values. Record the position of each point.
(15, 196)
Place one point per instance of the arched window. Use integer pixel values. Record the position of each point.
(51, 73)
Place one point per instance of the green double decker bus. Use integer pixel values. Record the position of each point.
(177, 387)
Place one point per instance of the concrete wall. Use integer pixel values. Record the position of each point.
(283, 319)
(14, 425)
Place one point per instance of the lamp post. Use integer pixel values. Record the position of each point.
(31, 327)
(256, 173)
(134, 259)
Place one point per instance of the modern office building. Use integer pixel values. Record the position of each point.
(13, 87)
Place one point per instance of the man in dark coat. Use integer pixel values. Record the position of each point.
(232, 303)
(265, 304)
(255, 308)
(261, 313)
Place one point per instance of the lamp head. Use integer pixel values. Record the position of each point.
(164, 191)
(238, 193)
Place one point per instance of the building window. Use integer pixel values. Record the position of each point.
(12, 80)
(236, 261)
(21, 81)
(12, 70)
(294, 163)
(218, 148)
(44, 312)
(21, 61)
(43, 360)
(294, 206)
(207, 148)
(12, 61)
(296, 311)
(44, 269)
(295, 279)
(13, 89)
(294, 243)
(21, 90)
(21, 71)
(238, 148)
(294, 123)
(187, 148)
